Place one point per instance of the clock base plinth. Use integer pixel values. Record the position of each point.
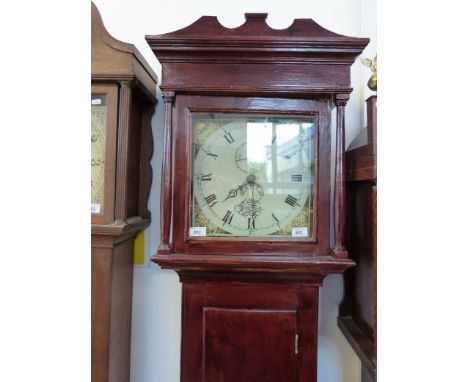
(250, 318)
(111, 299)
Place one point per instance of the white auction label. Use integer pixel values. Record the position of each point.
(299, 232)
(197, 231)
(96, 101)
(95, 208)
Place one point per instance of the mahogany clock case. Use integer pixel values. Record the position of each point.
(250, 304)
(120, 73)
(183, 243)
(357, 316)
(121, 77)
(253, 68)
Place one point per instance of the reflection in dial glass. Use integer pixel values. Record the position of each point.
(252, 175)
(98, 151)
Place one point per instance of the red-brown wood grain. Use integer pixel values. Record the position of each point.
(234, 337)
(339, 205)
(244, 295)
(166, 177)
(111, 300)
(358, 310)
(182, 177)
(206, 59)
(226, 325)
(120, 72)
(121, 189)
(145, 171)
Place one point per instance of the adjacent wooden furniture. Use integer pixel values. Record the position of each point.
(250, 295)
(358, 311)
(123, 89)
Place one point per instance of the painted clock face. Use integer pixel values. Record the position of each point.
(98, 151)
(252, 175)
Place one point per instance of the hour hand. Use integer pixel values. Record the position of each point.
(232, 193)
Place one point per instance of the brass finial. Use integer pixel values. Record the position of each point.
(372, 64)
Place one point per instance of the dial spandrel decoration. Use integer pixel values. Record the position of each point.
(252, 175)
(98, 151)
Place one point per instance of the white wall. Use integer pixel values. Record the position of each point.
(157, 293)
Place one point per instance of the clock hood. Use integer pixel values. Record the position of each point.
(226, 50)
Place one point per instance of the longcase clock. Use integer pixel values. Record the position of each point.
(245, 191)
(123, 89)
(357, 316)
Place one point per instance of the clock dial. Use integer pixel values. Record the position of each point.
(252, 175)
(98, 151)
